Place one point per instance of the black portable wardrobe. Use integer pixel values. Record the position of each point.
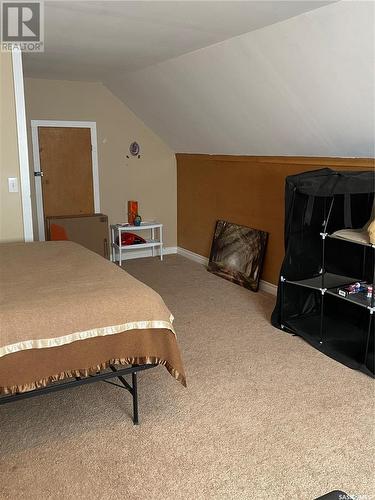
(317, 263)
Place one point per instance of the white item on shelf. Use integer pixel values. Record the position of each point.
(358, 235)
(365, 235)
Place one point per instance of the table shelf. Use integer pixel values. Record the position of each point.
(148, 244)
(152, 243)
(144, 225)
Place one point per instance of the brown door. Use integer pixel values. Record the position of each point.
(65, 160)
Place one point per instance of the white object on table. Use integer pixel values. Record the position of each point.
(118, 229)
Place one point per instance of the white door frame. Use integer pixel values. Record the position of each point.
(38, 180)
(23, 154)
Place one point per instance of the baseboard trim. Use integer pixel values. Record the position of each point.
(268, 287)
(265, 286)
(192, 256)
(146, 252)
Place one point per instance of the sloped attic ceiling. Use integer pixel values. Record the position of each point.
(304, 86)
(87, 40)
(257, 77)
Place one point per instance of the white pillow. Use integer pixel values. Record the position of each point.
(371, 231)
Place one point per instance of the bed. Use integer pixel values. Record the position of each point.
(69, 317)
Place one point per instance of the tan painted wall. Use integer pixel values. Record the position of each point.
(151, 179)
(11, 218)
(247, 190)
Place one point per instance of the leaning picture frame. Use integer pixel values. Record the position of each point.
(237, 253)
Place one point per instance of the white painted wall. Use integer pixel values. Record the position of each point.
(304, 86)
(11, 215)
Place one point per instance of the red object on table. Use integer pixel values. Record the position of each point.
(130, 239)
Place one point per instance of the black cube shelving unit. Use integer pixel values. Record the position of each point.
(317, 263)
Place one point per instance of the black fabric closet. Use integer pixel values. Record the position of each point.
(316, 263)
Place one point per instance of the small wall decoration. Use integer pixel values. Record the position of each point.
(237, 254)
(134, 149)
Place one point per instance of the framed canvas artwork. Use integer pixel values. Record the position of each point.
(237, 254)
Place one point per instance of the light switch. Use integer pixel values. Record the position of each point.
(13, 184)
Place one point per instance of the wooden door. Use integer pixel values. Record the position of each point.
(65, 160)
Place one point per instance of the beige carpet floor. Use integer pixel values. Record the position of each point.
(265, 416)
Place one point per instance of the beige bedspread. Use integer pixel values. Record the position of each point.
(58, 294)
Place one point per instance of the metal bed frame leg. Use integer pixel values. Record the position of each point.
(133, 389)
(135, 398)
